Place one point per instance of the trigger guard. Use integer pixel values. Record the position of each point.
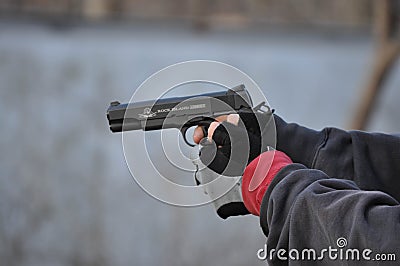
(204, 127)
(183, 131)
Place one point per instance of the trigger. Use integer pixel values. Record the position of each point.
(184, 130)
(204, 125)
(205, 131)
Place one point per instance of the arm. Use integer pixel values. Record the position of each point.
(371, 160)
(304, 208)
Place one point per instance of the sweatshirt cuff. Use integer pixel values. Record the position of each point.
(278, 178)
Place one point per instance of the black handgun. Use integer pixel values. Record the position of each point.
(178, 112)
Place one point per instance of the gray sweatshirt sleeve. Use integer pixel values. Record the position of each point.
(371, 160)
(304, 209)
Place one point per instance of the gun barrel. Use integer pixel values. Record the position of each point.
(177, 111)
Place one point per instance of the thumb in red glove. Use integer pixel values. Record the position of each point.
(258, 175)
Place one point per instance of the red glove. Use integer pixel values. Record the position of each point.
(258, 175)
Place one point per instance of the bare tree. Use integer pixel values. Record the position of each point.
(387, 50)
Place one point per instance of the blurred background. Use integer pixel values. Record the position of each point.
(66, 195)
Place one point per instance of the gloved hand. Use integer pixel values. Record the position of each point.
(258, 175)
(234, 144)
(231, 145)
